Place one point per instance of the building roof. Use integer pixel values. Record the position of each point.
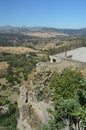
(78, 54)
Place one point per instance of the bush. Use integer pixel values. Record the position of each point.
(2, 75)
(25, 77)
(7, 101)
(1, 104)
(9, 78)
(3, 87)
(9, 120)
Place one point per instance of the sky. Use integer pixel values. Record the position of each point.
(43, 13)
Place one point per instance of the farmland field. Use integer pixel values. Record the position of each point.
(16, 50)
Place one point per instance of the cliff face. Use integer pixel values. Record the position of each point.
(33, 102)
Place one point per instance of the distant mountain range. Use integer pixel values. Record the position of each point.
(24, 29)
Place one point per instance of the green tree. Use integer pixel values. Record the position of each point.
(66, 83)
(69, 98)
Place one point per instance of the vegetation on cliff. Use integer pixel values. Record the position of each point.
(8, 116)
(69, 98)
(17, 71)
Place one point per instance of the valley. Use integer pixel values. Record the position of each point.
(45, 99)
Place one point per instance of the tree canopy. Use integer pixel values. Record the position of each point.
(69, 97)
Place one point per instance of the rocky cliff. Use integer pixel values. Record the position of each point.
(34, 101)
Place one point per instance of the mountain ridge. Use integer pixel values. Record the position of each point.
(26, 29)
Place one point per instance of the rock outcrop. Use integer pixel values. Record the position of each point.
(34, 102)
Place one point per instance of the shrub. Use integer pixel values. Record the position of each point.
(25, 77)
(3, 87)
(7, 101)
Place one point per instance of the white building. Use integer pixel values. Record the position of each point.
(75, 58)
(78, 55)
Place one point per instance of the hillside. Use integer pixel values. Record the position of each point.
(28, 96)
(16, 50)
(25, 29)
(40, 39)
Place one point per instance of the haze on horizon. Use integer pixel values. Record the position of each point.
(43, 13)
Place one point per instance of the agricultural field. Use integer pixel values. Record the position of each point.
(16, 50)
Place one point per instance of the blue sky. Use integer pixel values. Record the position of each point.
(46, 13)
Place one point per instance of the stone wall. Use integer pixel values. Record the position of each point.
(65, 63)
(75, 64)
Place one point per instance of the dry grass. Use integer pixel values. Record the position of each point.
(3, 80)
(3, 65)
(13, 96)
(48, 46)
(16, 50)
